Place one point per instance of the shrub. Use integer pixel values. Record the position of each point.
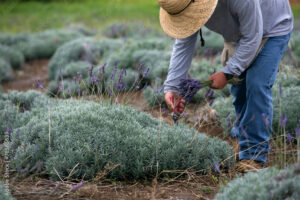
(84, 49)
(15, 108)
(125, 30)
(266, 184)
(226, 113)
(214, 44)
(289, 105)
(295, 46)
(6, 73)
(99, 136)
(153, 96)
(11, 40)
(12, 56)
(40, 45)
(3, 193)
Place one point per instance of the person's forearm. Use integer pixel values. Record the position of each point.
(180, 63)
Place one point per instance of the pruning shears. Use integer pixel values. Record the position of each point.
(175, 111)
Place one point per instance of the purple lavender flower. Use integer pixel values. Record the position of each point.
(75, 80)
(36, 148)
(112, 76)
(75, 187)
(9, 128)
(209, 93)
(79, 75)
(211, 102)
(101, 70)
(188, 88)
(69, 90)
(80, 184)
(60, 86)
(217, 168)
(90, 70)
(141, 67)
(94, 79)
(39, 83)
(265, 118)
(197, 118)
(183, 114)
(57, 186)
(163, 109)
(297, 131)
(137, 87)
(122, 74)
(283, 120)
(109, 92)
(146, 72)
(289, 137)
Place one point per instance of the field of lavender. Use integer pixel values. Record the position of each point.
(81, 126)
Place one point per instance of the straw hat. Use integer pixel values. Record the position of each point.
(182, 18)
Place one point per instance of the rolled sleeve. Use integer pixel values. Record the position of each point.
(182, 54)
(250, 20)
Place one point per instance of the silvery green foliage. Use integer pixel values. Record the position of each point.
(6, 73)
(1, 90)
(16, 108)
(84, 49)
(71, 69)
(39, 45)
(295, 46)
(12, 56)
(266, 184)
(96, 136)
(153, 96)
(214, 43)
(13, 39)
(3, 193)
(139, 52)
(125, 30)
(289, 105)
(287, 80)
(226, 113)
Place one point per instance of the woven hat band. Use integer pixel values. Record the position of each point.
(174, 6)
(192, 1)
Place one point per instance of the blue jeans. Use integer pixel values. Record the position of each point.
(253, 97)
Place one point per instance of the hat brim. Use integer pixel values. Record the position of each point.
(189, 21)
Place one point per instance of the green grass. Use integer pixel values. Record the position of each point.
(36, 16)
(296, 11)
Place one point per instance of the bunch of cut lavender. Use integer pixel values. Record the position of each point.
(189, 87)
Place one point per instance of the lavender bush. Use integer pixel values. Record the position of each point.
(268, 184)
(88, 50)
(286, 103)
(6, 73)
(100, 135)
(214, 44)
(3, 193)
(12, 56)
(40, 45)
(226, 113)
(125, 30)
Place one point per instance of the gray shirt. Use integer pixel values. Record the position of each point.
(244, 22)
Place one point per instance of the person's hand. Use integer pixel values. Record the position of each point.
(174, 102)
(219, 80)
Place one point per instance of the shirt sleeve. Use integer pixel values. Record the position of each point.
(182, 54)
(250, 20)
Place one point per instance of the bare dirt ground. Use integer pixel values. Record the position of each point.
(187, 186)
